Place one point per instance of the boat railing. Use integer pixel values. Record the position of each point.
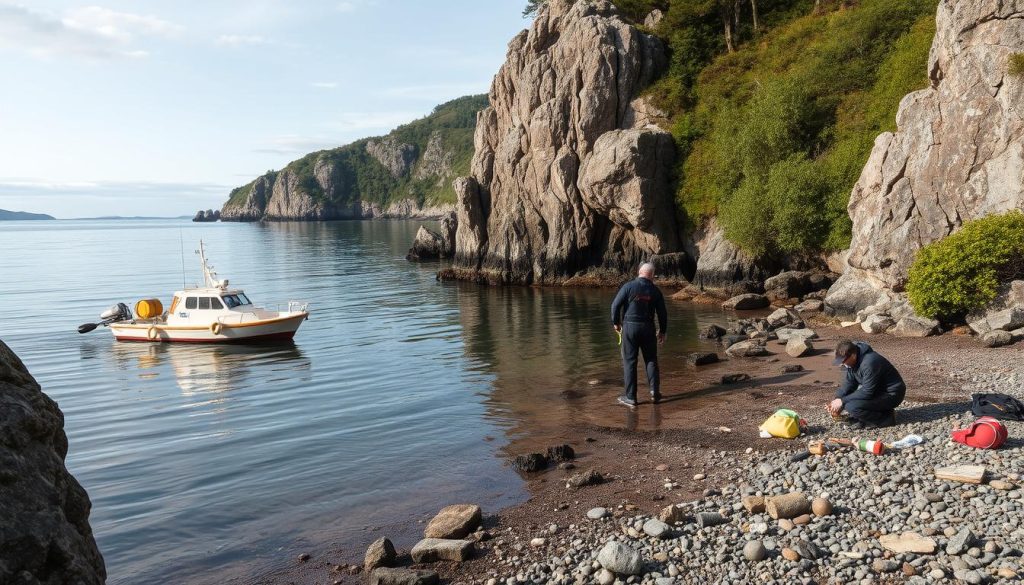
(260, 313)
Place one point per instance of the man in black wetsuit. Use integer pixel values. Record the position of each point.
(633, 313)
(871, 388)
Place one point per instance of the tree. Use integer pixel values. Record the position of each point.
(753, 10)
(532, 6)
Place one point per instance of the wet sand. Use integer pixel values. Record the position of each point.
(627, 445)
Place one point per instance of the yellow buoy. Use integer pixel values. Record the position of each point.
(215, 328)
(148, 308)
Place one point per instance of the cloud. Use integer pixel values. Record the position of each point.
(353, 5)
(241, 40)
(91, 32)
(325, 84)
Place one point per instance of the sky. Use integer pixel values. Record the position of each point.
(160, 108)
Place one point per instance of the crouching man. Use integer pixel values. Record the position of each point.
(871, 388)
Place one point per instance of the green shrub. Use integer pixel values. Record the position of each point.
(1016, 64)
(963, 272)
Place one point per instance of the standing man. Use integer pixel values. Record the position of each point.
(633, 318)
(872, 388)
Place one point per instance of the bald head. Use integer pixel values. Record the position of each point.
(647, 270)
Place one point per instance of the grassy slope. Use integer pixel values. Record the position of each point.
(774, 135)
(366, 179)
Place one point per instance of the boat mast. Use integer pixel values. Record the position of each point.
(209, 276)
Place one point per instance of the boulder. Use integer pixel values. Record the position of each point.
(711, 332)
(45, 537)
(749, 348)
(810, 306)
(455, 521)
(430, 550)
(722, 267)
(783, 318)
(797, 347)
(386, 576)
(620, 558)
(914, 326)
(702, 358)
(729, 340)
(851, 293)
(878, 323)
(1005, 320)
(530, 462)
(997, 338)
(746, 302)
(787, 334)
(786, 285)
(589, 477)
(428, 245)
(379, 554)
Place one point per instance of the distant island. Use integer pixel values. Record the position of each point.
(22, 215)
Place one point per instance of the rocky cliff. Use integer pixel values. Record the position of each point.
(569, 179)
(958, 152)
(407, 173)
(45, 537)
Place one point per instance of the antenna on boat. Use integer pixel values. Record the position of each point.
(209, 275)
(181, 242)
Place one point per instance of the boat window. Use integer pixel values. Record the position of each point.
(190, 302)
(215, 303)
(204, 303)
(244, 299)
(231, 301)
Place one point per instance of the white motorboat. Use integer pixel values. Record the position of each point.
(213, 313)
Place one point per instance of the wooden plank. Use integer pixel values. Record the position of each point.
(961, 473)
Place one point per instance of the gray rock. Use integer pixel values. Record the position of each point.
(620, 558)
(797, 347)
(746, 302)
(702, 358)
(379, 554)
(749, 348)
(385, 576)
(914, 326)
(783, 317)
(429, 550)
(428, 245)
(810, 306)
(960, 542)
(597, 513)
(755, 551)
(530, 462)
(657, 529)
(786, 334)
(997, 338)
(711, 332)
(45, 537)
(877, 324)
(396, 157)
(588, 477)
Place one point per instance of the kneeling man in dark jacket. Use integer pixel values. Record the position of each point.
(871, 388)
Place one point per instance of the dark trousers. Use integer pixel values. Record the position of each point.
(876, 411)
(640, 337)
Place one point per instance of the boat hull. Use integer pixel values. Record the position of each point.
(280, 329)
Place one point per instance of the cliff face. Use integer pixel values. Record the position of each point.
(958, 152)
(45, 537)
(407, 173)
(568, 179)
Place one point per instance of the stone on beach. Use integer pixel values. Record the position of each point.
(997, 338)
(386, 576)
(754, 504)
(877, 323)
(734, 378)
(711, 332)
(746, 302)
(782, 317)
(749, 348)
(907, 542)
(561, 453)
(788, 505)
(754, 551)
(702, 358)
(787, 333)
(657, 529)
(597, 513)
(379, 554)
(530, 462)
(672, 514)
(914, 326)
(799, 347)
(620, 558)
(455, 521)
(588, 477)
(429, 550)
(821, 507)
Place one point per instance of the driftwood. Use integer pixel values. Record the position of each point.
(788, 505)
(961, 473)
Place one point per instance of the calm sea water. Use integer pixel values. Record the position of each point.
(399, 395)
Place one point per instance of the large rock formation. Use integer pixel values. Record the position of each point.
(568, 179)
(45, 536)
(958, 152)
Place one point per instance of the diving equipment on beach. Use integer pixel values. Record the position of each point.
(984, 433)
(784, 423)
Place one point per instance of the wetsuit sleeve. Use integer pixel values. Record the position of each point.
(619, 304)
(849, 384)
(662, 314)
(871, 379)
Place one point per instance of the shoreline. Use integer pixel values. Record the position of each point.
(681, 437)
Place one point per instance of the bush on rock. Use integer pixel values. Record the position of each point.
(963, 272)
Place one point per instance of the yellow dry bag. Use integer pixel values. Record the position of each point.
(784, 424)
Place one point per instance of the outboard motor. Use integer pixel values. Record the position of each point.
(119, 312)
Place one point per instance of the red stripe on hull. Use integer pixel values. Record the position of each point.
(257, 338)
